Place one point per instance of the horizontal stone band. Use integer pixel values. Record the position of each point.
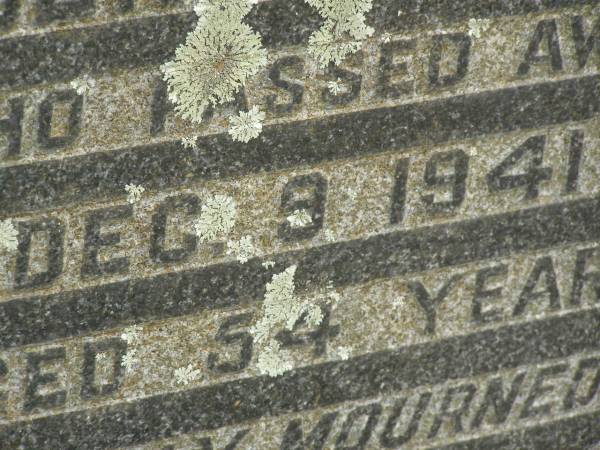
(66, 314)
(63, 55)
(103, 175)
(317, 386)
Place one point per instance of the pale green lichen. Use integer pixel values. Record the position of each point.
(189, 142)
(314, 315)
(129, 360)
(342, 32)
(8, 235)
(299, 218)
(83, 85)
(218, 57)
(344, 353)
(335, 86)
(242, 249)
(282, 309)
(280, 306)
(102, 356)
(273, 361)
(185, 375)
(134, 193)
(217, 218)
(246, 125)
(329, 235)
(131, 335)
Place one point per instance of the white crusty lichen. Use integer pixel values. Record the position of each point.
(344, 352)
(8, 236)
(187, 374)
(329, 235)
(218, 57)
(343, 31)
(134, 192)
(217, 218)
(246, 125)
(189, 142)
(280, 306)
(273, 361)
(478, 26)
(282, 309)
(299, 218)
(84, 84)
(268, 264)
(314, 315)
(242, 249)
(129, 360)
(132, 335)
(335, 86)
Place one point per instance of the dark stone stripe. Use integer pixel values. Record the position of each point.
(95, 176)
(63, 55)
(312, 387)
(580, 432)
(72, 313)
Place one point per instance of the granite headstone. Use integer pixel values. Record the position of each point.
(454, 192)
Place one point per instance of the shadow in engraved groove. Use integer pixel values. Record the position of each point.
(580, 432)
